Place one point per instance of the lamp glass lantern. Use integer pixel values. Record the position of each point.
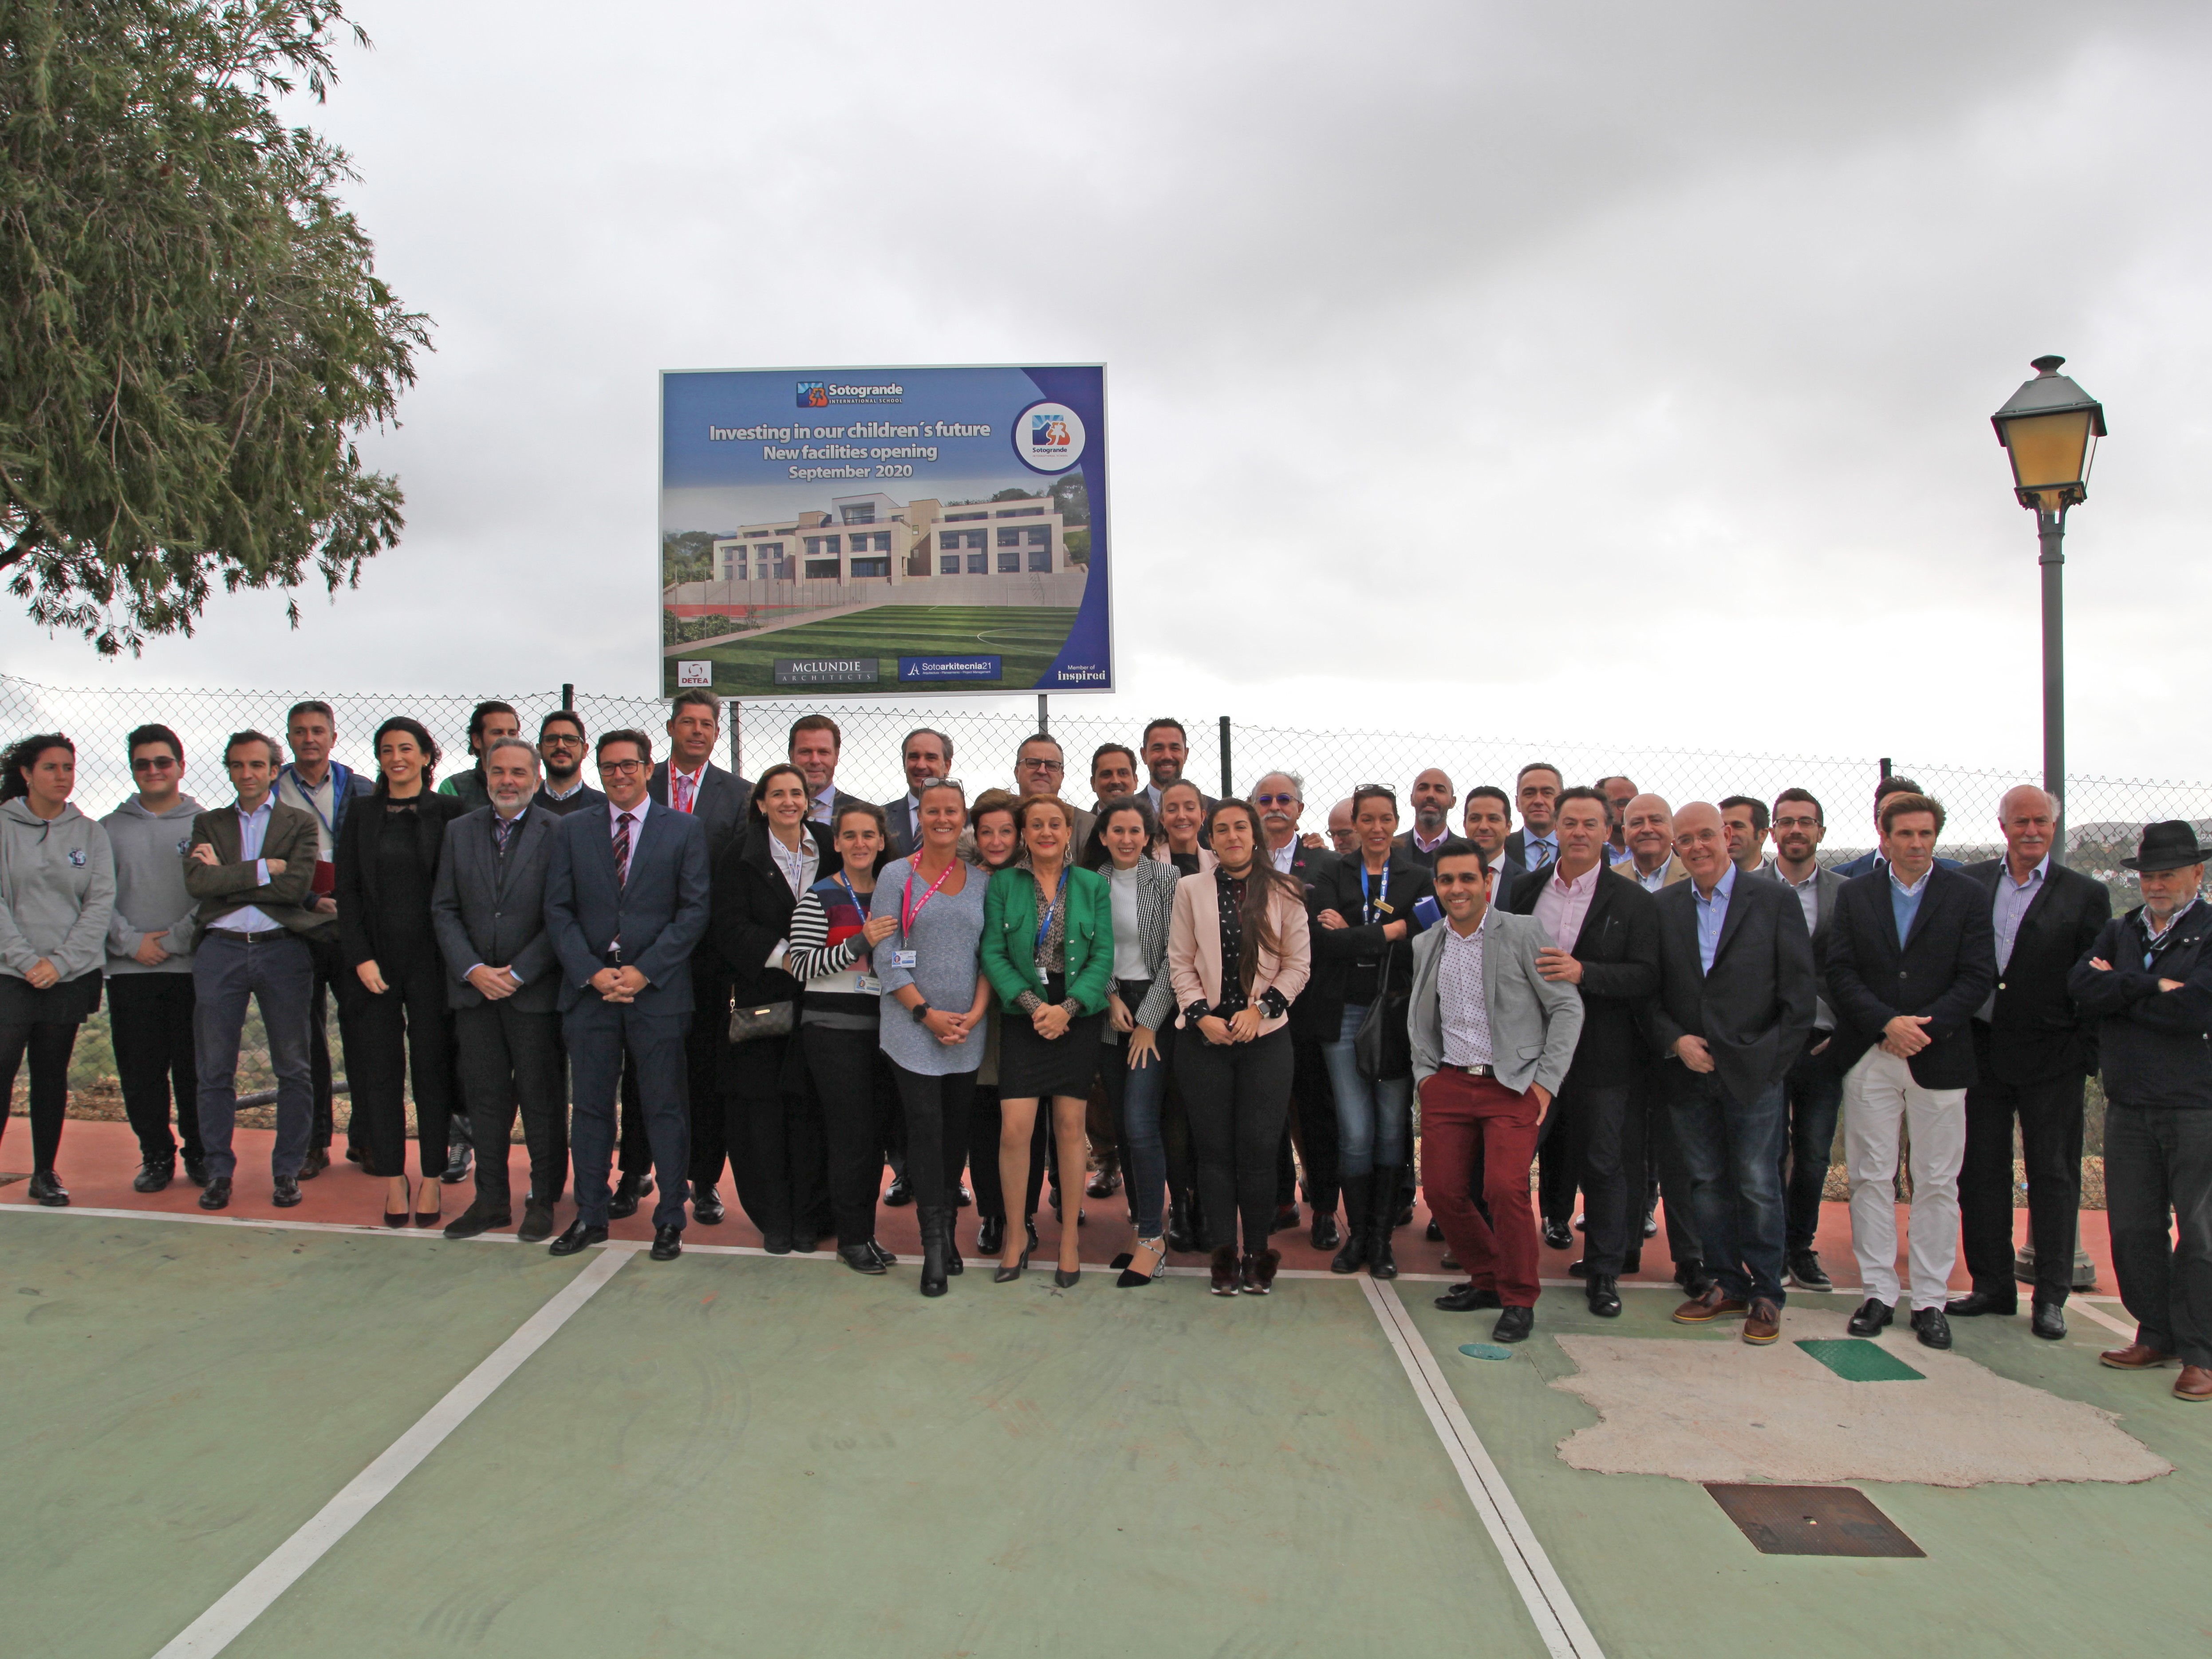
(2050, 429)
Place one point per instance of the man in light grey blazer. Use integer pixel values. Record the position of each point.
(503, 982)
(1813, 1090)
(1492, 1038)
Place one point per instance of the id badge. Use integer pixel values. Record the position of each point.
(903, 959)
(870, 985)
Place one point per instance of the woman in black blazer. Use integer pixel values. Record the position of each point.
(770, 1123)
(393, 1004)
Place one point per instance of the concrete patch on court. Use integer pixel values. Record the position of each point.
(1726, 1411)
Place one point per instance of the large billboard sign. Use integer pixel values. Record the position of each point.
(864, 531)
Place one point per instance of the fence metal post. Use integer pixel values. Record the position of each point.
(1228, 788)
(567, 694)
(1044, 718)
(1885, 768)
(737, 742)
(2051, 532)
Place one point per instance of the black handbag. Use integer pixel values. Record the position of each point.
(768, 1020)
(1382, 1047)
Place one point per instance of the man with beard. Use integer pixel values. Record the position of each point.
(1432, 800)
(1813, 1092)
(1166, 747)
(561, 747)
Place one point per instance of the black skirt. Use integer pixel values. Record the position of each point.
(1030, 1067)
(72, 1002)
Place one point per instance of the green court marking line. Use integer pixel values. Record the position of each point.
(1558, 1621)
(1857, 1360)
(246, 1600)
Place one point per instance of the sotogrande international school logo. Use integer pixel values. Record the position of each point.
(1048, 436)
(814, 394)
(1048, 433)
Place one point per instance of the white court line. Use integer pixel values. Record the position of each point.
(222, 1624)
(2081, 1304)
(1558, 1620)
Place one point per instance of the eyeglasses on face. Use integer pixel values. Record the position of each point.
(1274, 800)
(560, 740)
(1042, 766)
(622, 768)
(153, 763)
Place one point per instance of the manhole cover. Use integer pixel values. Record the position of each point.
(1811, 1521)
(1857, 1360)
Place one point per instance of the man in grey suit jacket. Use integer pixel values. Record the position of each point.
(1493, 1040)
(1813, 1090)
(623, 920)
(502, 981)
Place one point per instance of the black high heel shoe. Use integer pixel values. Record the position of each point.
(430, 1218)
(406, 1214)
(1156, 1249)
(1004, 1275)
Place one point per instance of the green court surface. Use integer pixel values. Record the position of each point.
(1025, 638)
(734, 1454)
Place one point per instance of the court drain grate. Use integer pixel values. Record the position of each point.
(1857, 1360)
(1811, 1521)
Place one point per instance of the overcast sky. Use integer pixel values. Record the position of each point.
(1568, 371)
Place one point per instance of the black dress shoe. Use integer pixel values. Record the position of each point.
(1604, 1293)
(776, 1243)
(286, 1193)
(1931, 1328)
(47, 1188)
(1871, 1318)
(2049, 1322)
(1449, 1263)
(153, 1177)
(579, 1236)
(1806, 1273)
(217, 1195)
(457, 1163)
(316, 1160)
(898, 1194)
(471, 1221)
(1179, 1239)
(1974, 1304)
(1466, 1299)
(1557, 1237)
(1324, 1236)
(1578, 1268)
(196, 1171)
(1286, 1219)
(1104, 1184)
(354, 1155)
(706, 1204)
(859, 1258)
(537, 1223)
(1514, 1325)
(667, 1244)
(889, 1259)
(1436, 1233)
(967, 1199)
(991, 1235)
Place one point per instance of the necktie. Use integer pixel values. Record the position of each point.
(684, 789)
(621, 849)
(502, 829)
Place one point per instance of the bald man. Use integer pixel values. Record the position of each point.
(1432, 801)
(1648, 823)
(1341, 835)
(2033, 1052)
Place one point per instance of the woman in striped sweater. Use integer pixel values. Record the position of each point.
(831, 941)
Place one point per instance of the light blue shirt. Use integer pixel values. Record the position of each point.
(2154, 940)
(1537, 851)
(1712, 916)
(252, 831)
(1905, 902)
(2009, 908)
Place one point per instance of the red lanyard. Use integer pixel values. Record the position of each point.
(907, 909)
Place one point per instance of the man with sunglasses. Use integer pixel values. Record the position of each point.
(562, 746)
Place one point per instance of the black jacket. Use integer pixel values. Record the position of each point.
(2036, 1033)
(2156, 1046)
(1945, 969)
(1618, 949)
(1753, 1009)
(753, 907)
(355, 853)
(1335, 886)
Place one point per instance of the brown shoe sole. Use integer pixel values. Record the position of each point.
(1697, 1313)
(1760, 1335)
(2194, 1399)
(2146, 1365)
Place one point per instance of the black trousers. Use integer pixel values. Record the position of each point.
(855, 1094)
(149, 1019)
(938, 1111)
(1239, 1096)
(1593, 1122)
(49, 1045)
(772, 1130)
(1313, 1109)
(704, 1046)
(2158, 1197)
(1559, 1170)
(600, 1034)
(2050, 1118)
(1648, 1142)
(510, 1058)
(331, 973)
(406, 1034)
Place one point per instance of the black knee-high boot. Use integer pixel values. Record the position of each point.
(1382, 1218)
(1358, 1191)
(936, 1246)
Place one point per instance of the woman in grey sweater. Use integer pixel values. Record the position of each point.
(56, 892)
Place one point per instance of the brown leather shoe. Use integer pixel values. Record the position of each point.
(2194, 1384)
(1762, 1323)
(1713, 1305)
(2136, 1357)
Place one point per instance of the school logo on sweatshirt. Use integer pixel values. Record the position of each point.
(76, 857)
(183, 845)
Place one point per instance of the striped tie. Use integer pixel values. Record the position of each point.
(621, 849)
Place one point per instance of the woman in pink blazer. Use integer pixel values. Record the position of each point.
(1237, 956)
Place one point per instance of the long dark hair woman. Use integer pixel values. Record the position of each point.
(56, 894)
(1363, 910)
(994, 843)
(393, 1004)
(935, 997)
(1237, 956)
(832, 954)
(1139, 1040)
(1048, 951)
(771, 1127)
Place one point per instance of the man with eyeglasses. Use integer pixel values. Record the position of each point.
(1433, 799)
(1813, 1092)
(1343, 836)
(561, 745)
(1039, 766)
(1280, 798)
(150, 961)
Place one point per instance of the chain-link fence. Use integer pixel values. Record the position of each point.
(2104, 815)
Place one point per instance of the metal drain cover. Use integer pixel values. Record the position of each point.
(1811, 1521)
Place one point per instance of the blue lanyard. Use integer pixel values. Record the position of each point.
(1367, 907)
(1045, 927)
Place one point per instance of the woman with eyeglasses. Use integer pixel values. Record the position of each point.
(832, 953)
(1182, 817)
(56, 896)
(1237, 957)
(935, 997)
(1139, 1041)
(770, 1126)
(397, 1026)
(993, 844)
(1364, 911)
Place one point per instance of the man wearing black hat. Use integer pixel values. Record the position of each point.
(2147, 982)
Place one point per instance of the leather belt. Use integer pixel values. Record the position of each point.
(1469, 1071)
(244, 937)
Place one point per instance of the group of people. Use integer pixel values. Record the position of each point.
(682, 971)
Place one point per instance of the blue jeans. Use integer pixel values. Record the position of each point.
(277, 972)
(1135, 1094)
(1732, 1150)
(1374, 1121)
(1815, 1091)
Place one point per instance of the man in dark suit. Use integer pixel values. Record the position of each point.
(626, 899)
(503, 983)
(1536, 791)
(1165, 746)
(926, 753)
(1604, 940)
(815, 743)
(2033, 1052)
(1813, 1090)
(562, 746)
(1432, 797)
(1868, 862)
(1280, 798)
(690, 781)
(1735, 999)
(1486, 819)
(1910, 956)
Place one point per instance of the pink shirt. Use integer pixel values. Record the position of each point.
(1562, 905)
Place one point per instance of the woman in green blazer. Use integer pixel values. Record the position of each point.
(1049, 953)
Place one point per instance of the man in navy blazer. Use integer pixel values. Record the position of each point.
(626, 900)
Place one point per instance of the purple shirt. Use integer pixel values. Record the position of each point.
(1562, 905)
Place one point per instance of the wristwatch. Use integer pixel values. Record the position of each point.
(921, 1011)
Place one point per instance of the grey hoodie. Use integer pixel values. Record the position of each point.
(56, 892)
(149, 885)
